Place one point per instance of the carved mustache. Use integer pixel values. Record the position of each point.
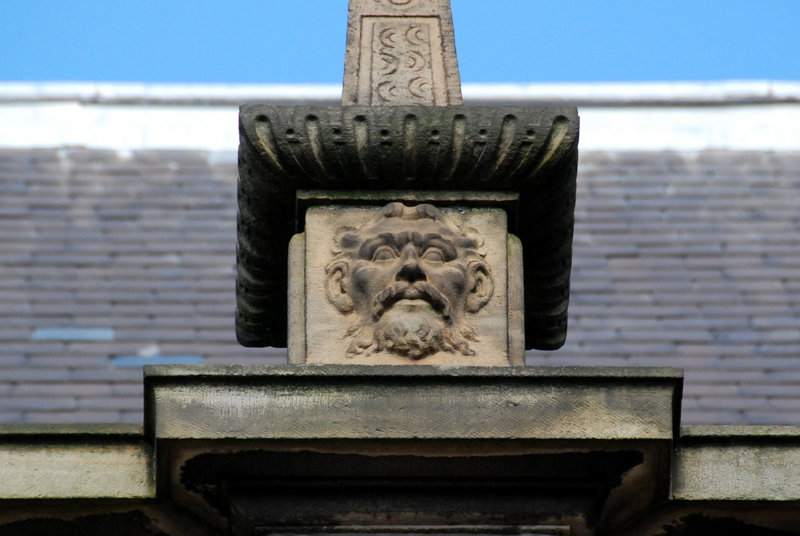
(420, 290)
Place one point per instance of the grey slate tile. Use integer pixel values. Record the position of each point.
(127, 389)
(715, 403)
(70, 417)
(131, 417)
(705, 390)
(772, 417)
(784, 404)
(72, 334)
(29, 374)
(48, 403)
(110, 403)
(11, 417)
(715, 416)
(109, 375)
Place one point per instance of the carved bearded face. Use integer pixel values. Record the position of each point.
(409, 277)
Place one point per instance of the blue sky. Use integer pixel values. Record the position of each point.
(298, 41)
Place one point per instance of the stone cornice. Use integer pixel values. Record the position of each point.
(528, 150)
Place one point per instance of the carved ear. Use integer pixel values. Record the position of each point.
(481, 285)
(335, 286)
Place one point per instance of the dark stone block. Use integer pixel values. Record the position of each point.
(120, 524)
(700, 525)
(287, 491)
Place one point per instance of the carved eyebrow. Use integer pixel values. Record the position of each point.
(371, 244)
(438, 241)
(399, 241)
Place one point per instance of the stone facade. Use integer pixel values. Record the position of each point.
(373, 279)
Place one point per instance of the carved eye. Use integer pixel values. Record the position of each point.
(384, 253)
(433, 255)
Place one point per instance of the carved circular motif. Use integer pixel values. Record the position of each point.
(417, 35)
(399, 3)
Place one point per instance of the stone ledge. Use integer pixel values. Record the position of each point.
(360, 402)
(160, 373)
(737, 463)
(539, 93)
(103, 432)
(738, 433)
(75, 462)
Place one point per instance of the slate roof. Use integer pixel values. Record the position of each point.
(693, 261)
(108, 261)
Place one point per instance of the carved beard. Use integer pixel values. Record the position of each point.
(412, 321)
(411, 329)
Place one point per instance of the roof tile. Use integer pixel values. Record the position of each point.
(680, 259)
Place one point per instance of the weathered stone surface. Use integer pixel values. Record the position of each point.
(712, 518)
(401, 52)
(131, 523)
(531, 152)
(406, 284)
(454, 449)
(377, 488)
(263, 467)
(455, 203)
(507, 201)
(100, 516)
(364, 402)
(296, 302)
(516, 303)
(738, 463)
(46, 462)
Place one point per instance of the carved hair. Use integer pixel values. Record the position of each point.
(348, 238)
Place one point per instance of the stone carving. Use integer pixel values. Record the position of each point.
(401, 3)
(402, 134)
(531, 151)
(405, 70)
(401, 52)
(409, 278)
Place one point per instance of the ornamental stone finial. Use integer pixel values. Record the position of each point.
(401, 52)
(404, 227)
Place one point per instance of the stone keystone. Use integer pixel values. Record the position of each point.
(401, 52)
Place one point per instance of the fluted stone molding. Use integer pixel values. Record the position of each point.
(530, 151)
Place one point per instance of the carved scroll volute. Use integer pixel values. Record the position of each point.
(401, 52)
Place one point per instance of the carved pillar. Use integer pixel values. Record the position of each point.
(401, 52)
(405, 229)
(464, 160)
(457, 278)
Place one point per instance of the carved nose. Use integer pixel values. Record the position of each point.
(411, 272)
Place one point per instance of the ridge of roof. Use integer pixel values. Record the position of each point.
(685, 116)
(723, 92)
(125, 128)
